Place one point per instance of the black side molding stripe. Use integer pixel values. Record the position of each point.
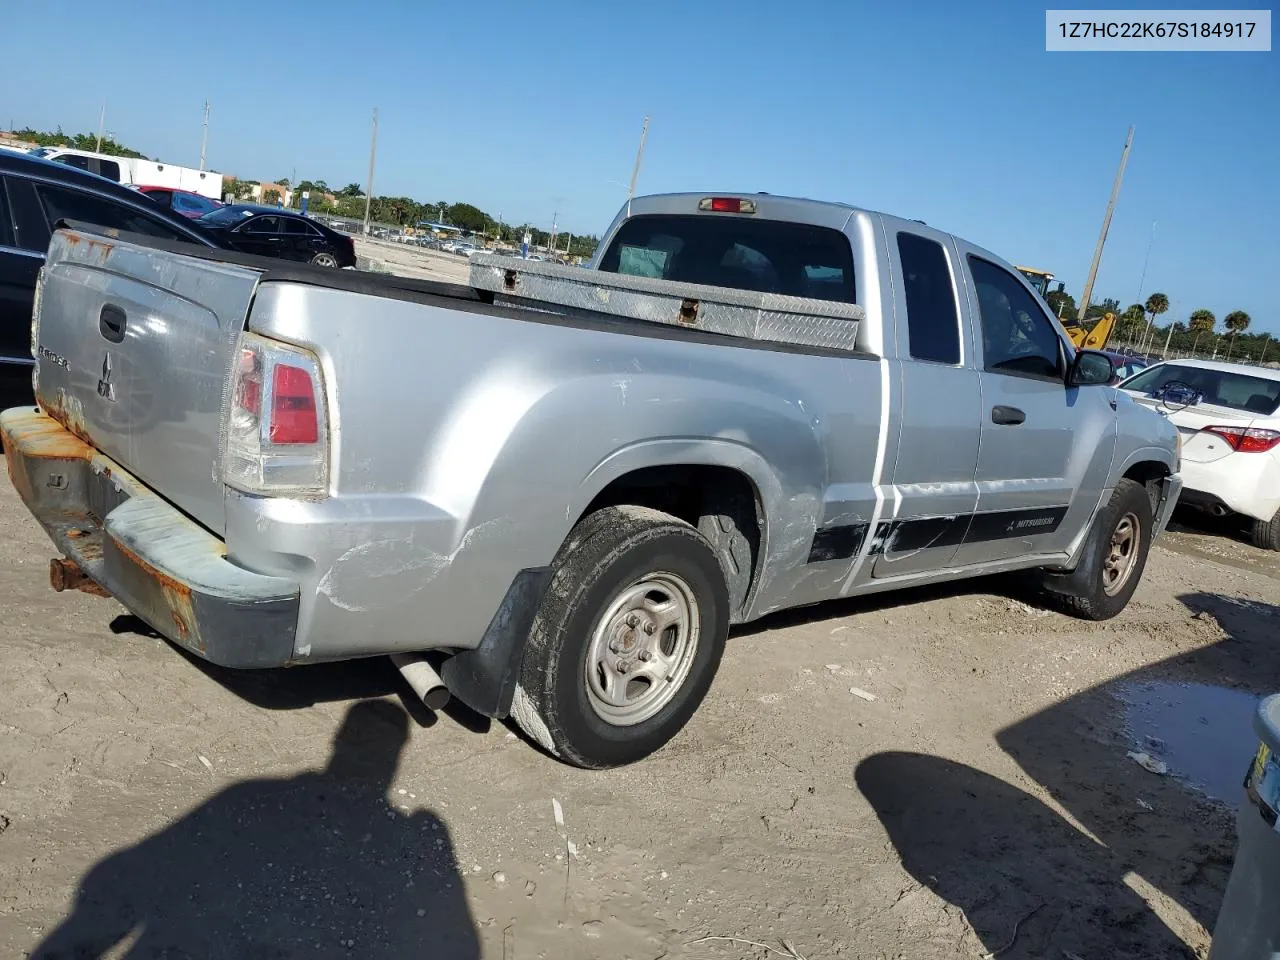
(905, 536)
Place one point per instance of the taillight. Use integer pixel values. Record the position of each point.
(277, 439)
(727, 205)
(1247, 439)
(294, 418)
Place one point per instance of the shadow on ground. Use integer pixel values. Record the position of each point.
(1009, 861)
(998, 852)
(296, 688)
(316, 865)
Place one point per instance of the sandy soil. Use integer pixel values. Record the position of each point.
(407, 261)
(155, 803)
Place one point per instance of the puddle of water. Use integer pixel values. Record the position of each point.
(1205, 734)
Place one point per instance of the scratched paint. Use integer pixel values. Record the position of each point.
(387, 572)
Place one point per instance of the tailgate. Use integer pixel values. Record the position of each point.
(134, 348)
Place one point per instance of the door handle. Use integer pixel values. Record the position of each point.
(111, 322)
(1010, 416)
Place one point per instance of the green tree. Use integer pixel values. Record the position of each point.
(271, 196)
(1237, 321)
(351, 190)
(466, 216)
(1202, 322)
(1062, 303)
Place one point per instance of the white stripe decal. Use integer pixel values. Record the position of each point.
(876, 476)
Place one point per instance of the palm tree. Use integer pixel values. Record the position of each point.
(1157, 304)
(1131, 317)
(1202, 321)
(1236, 321)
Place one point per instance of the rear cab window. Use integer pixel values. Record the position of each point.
(933, 320)
(1220, 388)
(764, 256)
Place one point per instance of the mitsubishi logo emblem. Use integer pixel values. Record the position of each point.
(106, 389)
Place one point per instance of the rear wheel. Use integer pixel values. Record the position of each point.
(1115, 554)
(1265, 534)
(627, 639)
(324, 259)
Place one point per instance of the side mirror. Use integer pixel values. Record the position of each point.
(1091, 368)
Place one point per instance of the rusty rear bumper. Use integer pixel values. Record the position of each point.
(164, 567)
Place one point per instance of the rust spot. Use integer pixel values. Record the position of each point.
(75, 532)
(508, 279)
(42, 437)
(177, 595)
(688, 315)
(67, 575)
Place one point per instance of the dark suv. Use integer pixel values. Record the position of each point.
(34, 195)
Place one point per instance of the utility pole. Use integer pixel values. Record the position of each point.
(204, 137)
(635, 171)
(551, 240)
(1265, 343)
(373, 153)
(1143, 279)
(102, 119)
(1106, 225)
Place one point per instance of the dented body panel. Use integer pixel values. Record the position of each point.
(468, 435)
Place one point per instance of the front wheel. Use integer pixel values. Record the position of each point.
(1115, 554)
(627, 639)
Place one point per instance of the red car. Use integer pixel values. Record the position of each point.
(180, 201)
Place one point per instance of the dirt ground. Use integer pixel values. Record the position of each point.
(151, 805)
(408, 261)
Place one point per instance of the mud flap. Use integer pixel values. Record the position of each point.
(485, 678)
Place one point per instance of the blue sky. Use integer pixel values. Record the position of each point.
(951, 113)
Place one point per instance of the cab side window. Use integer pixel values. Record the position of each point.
(933, 322)
(1017, 338)
(67, 204)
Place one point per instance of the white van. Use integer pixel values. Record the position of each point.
(137, 171)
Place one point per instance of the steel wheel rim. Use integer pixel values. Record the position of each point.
(642, 649)
(325, 260)
(1122, 554)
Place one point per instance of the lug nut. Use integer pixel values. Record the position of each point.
(632, 620)
(646, 656)
(624, 666)
(649, 627)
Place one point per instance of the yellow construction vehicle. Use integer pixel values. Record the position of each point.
(1089, 338)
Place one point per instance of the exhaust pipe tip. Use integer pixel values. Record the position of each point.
(424, 680)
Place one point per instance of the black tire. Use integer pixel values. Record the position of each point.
(730, 526)
(1265, 534)
(1086, 593)
(604, 557)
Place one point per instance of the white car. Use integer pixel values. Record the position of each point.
(1227, 415)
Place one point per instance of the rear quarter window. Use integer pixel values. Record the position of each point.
(765, 256)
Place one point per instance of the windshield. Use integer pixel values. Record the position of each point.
(1039, 282)
(1222, 388)
(225, 215)
(768, 256)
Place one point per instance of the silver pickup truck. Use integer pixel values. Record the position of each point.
(553, 490)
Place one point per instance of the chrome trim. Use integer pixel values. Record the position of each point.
(38, 254)
(18, 361)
